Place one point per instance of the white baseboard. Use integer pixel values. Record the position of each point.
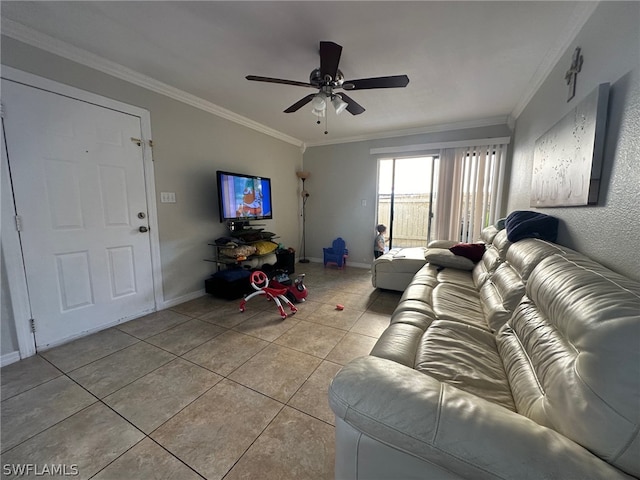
(9, 358)
(181, 299)
(76, 336)
(349, 264)
(15, 356)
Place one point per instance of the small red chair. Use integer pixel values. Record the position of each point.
(260, 282)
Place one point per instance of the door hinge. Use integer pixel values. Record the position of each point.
(32, 323)
(140, 141)
(2, 115)
(18, 223)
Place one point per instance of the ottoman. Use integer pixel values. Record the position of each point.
(395, 269)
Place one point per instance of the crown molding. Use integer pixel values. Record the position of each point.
(440, 145)
(17, 31)
(581, 14)
(32, 37)
(445, 127)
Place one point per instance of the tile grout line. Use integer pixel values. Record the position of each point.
(195, 399)
(39, 384)
(138, 340)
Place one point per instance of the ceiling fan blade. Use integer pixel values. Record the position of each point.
(300, 103)
(353, 107)
(395, 81)
(329, 59)
(278, 80)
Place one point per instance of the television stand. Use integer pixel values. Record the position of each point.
(248, 234)
(243, 226)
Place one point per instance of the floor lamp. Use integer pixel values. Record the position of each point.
(303, 176)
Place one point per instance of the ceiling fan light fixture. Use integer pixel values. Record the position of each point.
(319, 113)
(319, 102)
(319, 105)
(339, 104)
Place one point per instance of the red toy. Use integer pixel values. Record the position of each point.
(296, 292)
(260, 282)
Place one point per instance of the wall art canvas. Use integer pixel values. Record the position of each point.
(567, 159)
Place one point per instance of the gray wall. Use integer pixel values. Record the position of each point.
(343, 175)
(189, 146)
(8, 340)
(608, 232)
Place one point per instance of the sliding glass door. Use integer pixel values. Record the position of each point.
(449, 195)
(405, 198)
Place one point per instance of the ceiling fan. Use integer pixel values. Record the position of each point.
(328, 78)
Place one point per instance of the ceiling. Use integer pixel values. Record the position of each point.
(469, 63)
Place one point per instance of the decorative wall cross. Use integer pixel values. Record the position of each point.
(572, 73)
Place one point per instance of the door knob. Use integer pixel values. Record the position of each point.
(143, 229)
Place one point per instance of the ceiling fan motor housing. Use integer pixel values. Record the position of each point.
(315, 79)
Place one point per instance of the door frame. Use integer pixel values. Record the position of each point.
(435, 155)
(11, 240)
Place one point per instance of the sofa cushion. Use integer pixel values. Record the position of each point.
(427, 275)
(412, 317)
(466, 357)
(459, 277)
(485, 267)
(399, 342)
(452, 352)
(593, 266)
(465, 435)
(446, 244)
(526, 254)
(402, 260)
(415, 306)
(502, 244)
(417, 291)
(500, 295)
(571, 351)
(488, 234)
(445, 258)
(395, 269)
(457, 303)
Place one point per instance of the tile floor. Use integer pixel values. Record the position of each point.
(197, 391)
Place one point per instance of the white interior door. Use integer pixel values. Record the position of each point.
(79, 190)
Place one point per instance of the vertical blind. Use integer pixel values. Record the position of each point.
(468, 193)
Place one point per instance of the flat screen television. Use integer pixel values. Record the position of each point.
(243, 197)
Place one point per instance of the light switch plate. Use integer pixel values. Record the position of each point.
(167, 197)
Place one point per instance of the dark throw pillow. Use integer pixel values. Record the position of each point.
(472, 251)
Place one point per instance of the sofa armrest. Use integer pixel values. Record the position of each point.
(441, 424)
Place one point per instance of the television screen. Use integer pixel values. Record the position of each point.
(243, 197)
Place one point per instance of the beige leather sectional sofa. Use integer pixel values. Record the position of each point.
(395, 269)
(526, 367)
